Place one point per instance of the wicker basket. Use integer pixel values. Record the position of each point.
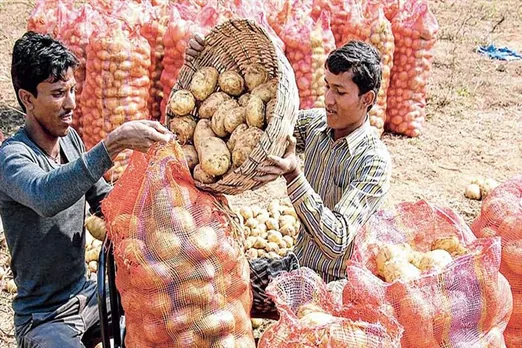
(232, 46)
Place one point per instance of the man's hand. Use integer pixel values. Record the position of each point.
(136, 135)
(274, 166)
(194, 48)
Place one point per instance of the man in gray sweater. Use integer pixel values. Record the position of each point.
(46, 177)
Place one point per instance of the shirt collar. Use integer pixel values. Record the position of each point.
(355, 138)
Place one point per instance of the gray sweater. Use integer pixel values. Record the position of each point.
(42, 206)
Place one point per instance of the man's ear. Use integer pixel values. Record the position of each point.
(368, 98)
(27, 99)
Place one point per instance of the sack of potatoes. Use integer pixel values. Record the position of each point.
(232, 106)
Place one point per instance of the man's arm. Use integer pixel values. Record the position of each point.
(49, 193)
(334, 230)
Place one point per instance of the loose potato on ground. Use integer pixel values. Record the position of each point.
(255, 112)
(266, 91)
(200, 175)
(231, 143)
(231, 83)
(190, 155)
(218, 120)
(243, 100)
(203, 130)
(234, 118)
(210, 105)
(214, 156)
(255, 75)
(204, 82)
(184, 128)
(182, 102)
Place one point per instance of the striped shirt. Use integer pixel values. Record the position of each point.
(343, 184)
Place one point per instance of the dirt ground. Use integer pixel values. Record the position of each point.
(474, 113)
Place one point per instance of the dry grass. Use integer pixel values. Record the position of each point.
(474, 112)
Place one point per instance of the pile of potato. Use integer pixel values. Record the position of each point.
(269, 232)
(221, 117)
(401, 262)
(479, 188)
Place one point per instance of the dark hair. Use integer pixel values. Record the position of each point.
(37, 58)
(363, 60)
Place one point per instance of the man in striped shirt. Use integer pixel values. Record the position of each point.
(347, 168)
(346, 171)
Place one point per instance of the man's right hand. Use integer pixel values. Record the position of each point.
(195, 46)
(136, 135)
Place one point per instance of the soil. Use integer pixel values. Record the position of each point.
(474, 114)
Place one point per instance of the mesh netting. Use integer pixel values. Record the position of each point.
(501, 215)
(466, 303)
(311, 317)
(183, 280)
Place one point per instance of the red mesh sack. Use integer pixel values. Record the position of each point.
(183, 25)
(464, 302)
(154, 30)
(75, 35)
(414, 30)
(307, 45)
(183, 279)
(49, 16)
(310, 317)
(116, 87)
(501, 215)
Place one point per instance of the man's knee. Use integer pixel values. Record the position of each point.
(51, 335)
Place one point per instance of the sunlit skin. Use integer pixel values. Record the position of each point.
(345, 111)
(49, 114)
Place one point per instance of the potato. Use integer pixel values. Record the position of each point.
(275, 236)
(289, 241)
(203, 131)
(396, 269)
(249, 242)
(231, 83)
(218, 120)
(308, 308)
(259, 229)
(184, 128)
(243, 100)
(246, 212)
(272, 224)
(472, 192)
(287, 220)
(231, 143)
(261, 253)
(288, 211)
(437, 259)
(270, 109)
(190, 155)
(260, 243)
(250, 138)
(255, 112)
(273, 255)
(200, 175)
(391, 252)
(96, 227)
(214, 156)
(204, 82)
(164, 244)
(203, 243)
(266, 91)
(182, 102)
(251, 253)
(255, 75)
(263, 217)
(234, 118)
(210, 105)
(251, 222)
(272, 246)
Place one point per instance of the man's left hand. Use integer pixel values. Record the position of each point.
(275, 166)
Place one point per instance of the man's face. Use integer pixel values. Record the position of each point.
(345, 109)
(53, 108)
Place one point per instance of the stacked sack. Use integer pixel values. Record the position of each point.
(414, 29)
(183, 279)
(423, 265)
(501, 215)
(116, 87)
